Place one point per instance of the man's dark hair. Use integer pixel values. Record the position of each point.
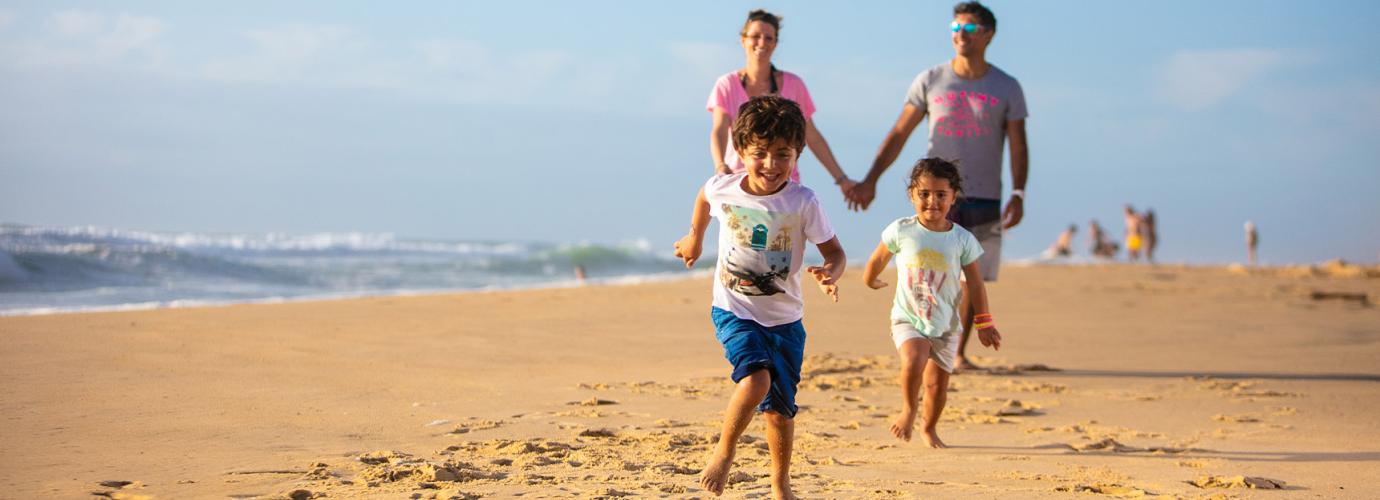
(766, 119)
(766, 17)
(938, 168)
(978, 10)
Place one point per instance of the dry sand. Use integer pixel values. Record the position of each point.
(1172, 381)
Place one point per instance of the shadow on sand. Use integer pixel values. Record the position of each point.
(1335, 377)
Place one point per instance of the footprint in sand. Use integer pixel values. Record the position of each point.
(475, 424)
(1112, 445)
(592, 402)
(1015, 408)
(1255, 483)
(1107, 489)
(1237, 419)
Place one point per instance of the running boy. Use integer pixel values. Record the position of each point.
(764, 221)
(925, 325)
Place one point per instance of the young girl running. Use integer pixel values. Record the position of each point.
(925, 326)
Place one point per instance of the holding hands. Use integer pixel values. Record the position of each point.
(860, 195)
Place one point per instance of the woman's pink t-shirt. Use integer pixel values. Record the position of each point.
(729, 94)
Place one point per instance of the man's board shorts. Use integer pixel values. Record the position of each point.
(1133, 242)
(982, 217)
(750, 347)
(943, 349)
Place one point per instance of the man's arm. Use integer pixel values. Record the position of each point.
(718, 142)
(863, 194)
(691, 245)
(1020, 166)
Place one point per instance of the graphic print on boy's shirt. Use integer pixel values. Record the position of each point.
(926, 274)
(759, 260)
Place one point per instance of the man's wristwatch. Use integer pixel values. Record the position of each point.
(1020, 193)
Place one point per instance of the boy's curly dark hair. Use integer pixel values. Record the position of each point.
(938, 168)
(767, 119)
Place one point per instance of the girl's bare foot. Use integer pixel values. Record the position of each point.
(904, 424)
(782, 492)
(931, 439)
(715, 474)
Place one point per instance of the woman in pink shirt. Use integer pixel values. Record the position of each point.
(760, 77)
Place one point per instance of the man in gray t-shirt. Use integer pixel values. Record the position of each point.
(973, 107)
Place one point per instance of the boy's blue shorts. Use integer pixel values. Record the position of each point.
(749, 346)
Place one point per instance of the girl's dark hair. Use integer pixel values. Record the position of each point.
(764, 16)
(938, 168)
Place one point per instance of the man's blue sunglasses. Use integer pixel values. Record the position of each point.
(969, 28)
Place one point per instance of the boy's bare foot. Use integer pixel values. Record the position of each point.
(931, 439)
(715, 474)
(904, 425)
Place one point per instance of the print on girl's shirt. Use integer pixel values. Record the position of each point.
(926, 274)
(961, 114)
(759, 259)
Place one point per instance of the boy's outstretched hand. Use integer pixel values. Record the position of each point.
(825, 279)
(689, 248)
(877, 284)
(990, 337)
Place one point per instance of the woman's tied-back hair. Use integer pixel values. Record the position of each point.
(984, 15)
(766, 119)
(938, 168)
(764, 16)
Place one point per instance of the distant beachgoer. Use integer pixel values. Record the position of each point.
(1134, 240)
(974, 109)
(759, 37)
(1252, 240)
(1152, 236)
(1098, 242)
(764, 221)
(931, 253)
(1062, 247)
(580, 273)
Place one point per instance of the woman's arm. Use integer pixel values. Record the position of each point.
(718, 142)
(815, 141)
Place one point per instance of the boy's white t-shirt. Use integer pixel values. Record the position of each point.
(928, 267)
(761, 248)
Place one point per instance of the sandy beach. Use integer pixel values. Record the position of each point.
(1117, 381)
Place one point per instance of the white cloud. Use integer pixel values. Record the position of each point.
(293, 53)
(79, 38)
(1197, 80)
(76, 23)
(709, 60)
(131, 33)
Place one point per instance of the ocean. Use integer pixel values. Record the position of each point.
(46, 270)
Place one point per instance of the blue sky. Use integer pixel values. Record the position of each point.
(585, 121)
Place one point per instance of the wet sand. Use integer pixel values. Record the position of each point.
(1117, 381)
